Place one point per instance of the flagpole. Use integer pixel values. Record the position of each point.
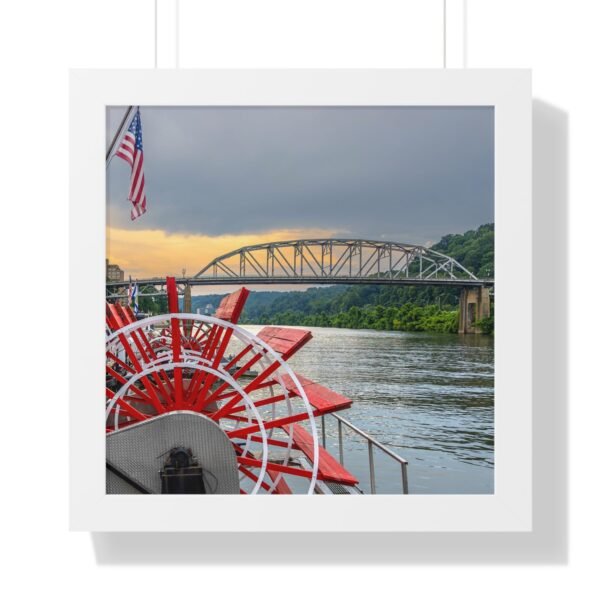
(123, 125)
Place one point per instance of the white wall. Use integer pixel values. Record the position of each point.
(39, 40)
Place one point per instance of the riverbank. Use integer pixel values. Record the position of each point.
(407, 317)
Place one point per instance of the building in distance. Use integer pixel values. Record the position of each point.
(114, 272)
(207, 309)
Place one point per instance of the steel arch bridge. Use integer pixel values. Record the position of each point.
(323, 261)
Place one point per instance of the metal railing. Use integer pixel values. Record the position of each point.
(371, 443)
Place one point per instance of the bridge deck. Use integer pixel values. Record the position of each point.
(114, 287)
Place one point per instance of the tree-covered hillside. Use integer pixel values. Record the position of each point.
(473, 249)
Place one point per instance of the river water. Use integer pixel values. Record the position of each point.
(428, 397)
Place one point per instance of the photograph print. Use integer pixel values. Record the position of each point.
(300, 300)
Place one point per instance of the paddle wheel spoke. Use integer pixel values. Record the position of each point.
(127, 410)
(201, 380)
(254, 477)
(118, 361)
(254, 427)
(296, 471)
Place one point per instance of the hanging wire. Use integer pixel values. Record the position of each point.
(155, 34)
(177, 34)
(458, 30)
(465, 34)
(444, 34)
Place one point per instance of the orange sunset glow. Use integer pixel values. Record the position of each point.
(155, 253)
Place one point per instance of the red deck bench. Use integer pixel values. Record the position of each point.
(322, 399)
(284, 340)
(231, 306)
(329, 468)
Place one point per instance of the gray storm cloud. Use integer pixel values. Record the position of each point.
(405, 173)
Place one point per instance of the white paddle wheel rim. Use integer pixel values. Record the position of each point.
(192, 359)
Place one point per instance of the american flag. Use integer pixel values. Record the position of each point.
(130, 150)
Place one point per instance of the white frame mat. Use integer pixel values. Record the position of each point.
(509, 508)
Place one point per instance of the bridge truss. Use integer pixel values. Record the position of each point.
(323, 261)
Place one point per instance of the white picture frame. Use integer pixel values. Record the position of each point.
(510, 507)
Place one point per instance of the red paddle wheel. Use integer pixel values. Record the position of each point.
(238, 382)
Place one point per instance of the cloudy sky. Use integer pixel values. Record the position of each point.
(221, 178)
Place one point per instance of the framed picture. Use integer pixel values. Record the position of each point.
(301, 284)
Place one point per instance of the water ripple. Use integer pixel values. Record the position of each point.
(429, 397)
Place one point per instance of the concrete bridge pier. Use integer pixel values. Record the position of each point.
(187, 308)
(474, 305)
(187, 298)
